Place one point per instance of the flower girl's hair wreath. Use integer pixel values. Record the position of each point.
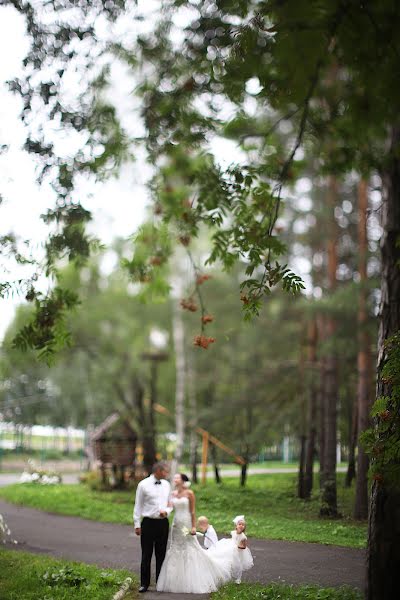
(239, 519)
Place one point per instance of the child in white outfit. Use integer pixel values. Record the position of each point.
(240, 540)
(208, 532)
(234, 550)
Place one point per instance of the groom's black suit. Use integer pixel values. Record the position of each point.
(152, 496)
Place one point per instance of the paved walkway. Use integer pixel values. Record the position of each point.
(110, 545)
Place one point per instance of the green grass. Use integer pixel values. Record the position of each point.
(268, 501)
(284, 592)
(23, 577)
(42, 578)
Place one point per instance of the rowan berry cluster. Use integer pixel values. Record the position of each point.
(202, 278)
(184, 240)
(189, 304)
(203, 341)
(207, 319)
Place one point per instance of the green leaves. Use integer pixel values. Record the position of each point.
(47, 331)
(254, 289)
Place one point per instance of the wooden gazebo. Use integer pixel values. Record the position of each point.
(114, 447)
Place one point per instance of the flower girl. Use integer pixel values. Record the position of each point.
(236, 549)
(240, 540)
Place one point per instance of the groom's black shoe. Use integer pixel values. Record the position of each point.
(142, 589)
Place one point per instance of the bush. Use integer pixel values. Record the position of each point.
(94, 481)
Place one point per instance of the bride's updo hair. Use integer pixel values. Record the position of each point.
(185, 479)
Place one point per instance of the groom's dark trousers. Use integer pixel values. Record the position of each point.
(154, 536)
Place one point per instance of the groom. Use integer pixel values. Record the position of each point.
(151, 505)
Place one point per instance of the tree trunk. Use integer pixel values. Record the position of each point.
(243, 474)
(312, 410)
(195, 475)
(303, 425)
(300, 478)
(215, 464)
(193, 417)
(383, 556)
(321, 429)
(329, 498)
(363, 359)
(351, 467)
(179, 346)
(321, 404)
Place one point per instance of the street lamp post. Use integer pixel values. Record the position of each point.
(156, 355)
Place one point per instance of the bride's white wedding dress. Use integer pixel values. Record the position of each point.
(189, 568)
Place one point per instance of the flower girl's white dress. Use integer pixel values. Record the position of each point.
(227, 549)
(189, 568)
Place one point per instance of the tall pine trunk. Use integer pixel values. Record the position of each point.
(363, 359)
(302, 460)
(383, 579)
(312, 409)
(321, 419)
(303, 425)
(353, 426)
(329, 496)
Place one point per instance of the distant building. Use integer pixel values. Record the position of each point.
(113, 446)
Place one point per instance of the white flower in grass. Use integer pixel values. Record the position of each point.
(25, 477)
(45, 478)
(50, 479)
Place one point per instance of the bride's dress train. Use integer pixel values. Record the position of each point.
(189, 568)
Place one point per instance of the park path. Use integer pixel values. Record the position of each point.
(116, 546)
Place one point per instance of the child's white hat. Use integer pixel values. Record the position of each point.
(239, 518)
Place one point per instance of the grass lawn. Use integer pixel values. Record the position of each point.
(268, 501)
(42, 578)
(26, 576)
(284, 592)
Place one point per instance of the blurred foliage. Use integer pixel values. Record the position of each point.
(308, 69)
(254, 368)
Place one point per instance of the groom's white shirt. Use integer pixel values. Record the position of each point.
(151, 499)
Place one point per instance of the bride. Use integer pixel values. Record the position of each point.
(189, 568)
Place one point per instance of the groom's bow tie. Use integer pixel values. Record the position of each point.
(157, 482)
